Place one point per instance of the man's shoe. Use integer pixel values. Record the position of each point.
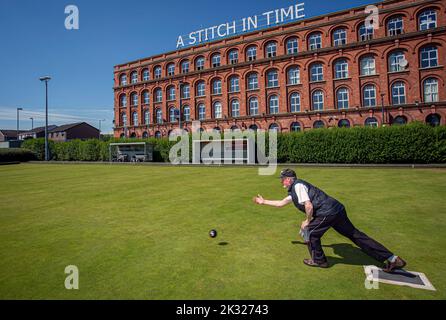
(311, 263)
(398, 264)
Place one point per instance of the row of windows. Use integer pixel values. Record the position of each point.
(369, 99)
(395, 25)
(432, 119)
(396, 62)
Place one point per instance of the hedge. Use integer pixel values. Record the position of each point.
(415, 143)
(16, 154)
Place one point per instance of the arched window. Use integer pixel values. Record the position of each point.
(398, 93)
(318, 100)
(216, 130)
(253, 127)
(235, 108)
(271, 49)
(369, 96)
(427, 19)
(147, 117)
(430, 89)
(253, 81)
(235, 128)
(186, 113)
(185, 91)
(199, 63)
(342, 98)
(293, 75)
(233, 56)
(344, 123)
(158, 135)
(123, 101)
(124, 119)
(234, 84)
(274, 127)
(201, 89)
(170, 69)
(341, 69)
(253, 106)
(158, 95)
(135, 118)
(371, 122)
(171, 93)
(173, 114)
(123, 79)
(295, 127)
(429, 57)
(292, 46)
(216, 60)
(134, 99)
(316, 72)
(397, 61)
(133, 135)
(251, 53)
(201, 112)
(185, 65)
(272, 78)
(145, 75)
(365, 32)
(433, 120)
(315, 41)
(395, 26)
(295, 102)
(273, 104)
(157, 72)
(134, 77)
(399, 120)
(146, 97)
(159, 116)
(218, 112)
(339, 37)
(368, 67)
(318, 124)
(145, 135)
(216, 86)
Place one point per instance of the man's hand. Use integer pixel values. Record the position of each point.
(304, 224)
(259, 199)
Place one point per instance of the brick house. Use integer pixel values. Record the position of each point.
(81, 130)
(35, 133)
(324, 71)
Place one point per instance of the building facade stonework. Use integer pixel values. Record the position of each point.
(326, 71)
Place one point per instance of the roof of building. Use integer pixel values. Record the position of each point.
(40, 129)
(10, 133)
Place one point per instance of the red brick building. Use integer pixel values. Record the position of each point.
(330, 70)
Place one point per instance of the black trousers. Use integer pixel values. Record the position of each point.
(342, 224)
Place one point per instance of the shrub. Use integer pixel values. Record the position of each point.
(16, 154)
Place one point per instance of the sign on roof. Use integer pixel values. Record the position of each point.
(248, 24)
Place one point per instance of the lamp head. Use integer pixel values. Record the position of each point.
(46, 78)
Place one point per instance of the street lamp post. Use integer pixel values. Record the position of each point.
(382, 109)
(100, 127)
(18, 120)
(46, 79)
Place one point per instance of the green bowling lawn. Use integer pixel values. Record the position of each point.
(141, 232)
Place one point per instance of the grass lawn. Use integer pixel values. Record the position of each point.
(141, 232)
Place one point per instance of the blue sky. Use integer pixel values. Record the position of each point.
(34, 42)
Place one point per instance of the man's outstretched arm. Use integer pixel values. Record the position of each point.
(273, 203)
